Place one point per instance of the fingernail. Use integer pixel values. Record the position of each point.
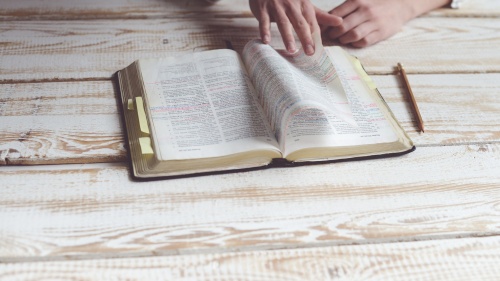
(309, 49)
(266, 39)
(291, 47)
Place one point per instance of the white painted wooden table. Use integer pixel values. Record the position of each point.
(69, 209)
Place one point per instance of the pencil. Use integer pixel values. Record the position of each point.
(413, 102)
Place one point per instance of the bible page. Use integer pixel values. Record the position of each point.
(373, 124)
(203, 105)
(301, 95)
(317, 101)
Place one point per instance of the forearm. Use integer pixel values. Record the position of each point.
(366, 22)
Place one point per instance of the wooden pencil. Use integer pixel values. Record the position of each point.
(413, 102)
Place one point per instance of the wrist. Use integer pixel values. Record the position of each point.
(419, 7)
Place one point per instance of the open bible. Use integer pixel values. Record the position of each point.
(219, 110)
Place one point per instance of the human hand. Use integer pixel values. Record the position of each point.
(298, 15)
(367, 22)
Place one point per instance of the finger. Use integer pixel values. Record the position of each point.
(265, 27)
(370, 39)
(285, 28)
(357, 33)
(345, 9)
(323, 29)
(304, 24)
(326, 20)
(350, 22)
(310, 16)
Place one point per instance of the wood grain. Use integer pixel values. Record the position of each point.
(121, 9)
(457, 109)
(79, 122)
(456, 259)
(51, 50)
(95, 210)
(331, 222)
(471, 8)
(133, 9)
(51, 123)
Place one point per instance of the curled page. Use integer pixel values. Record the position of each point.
(301, 95)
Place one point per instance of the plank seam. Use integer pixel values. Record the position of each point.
(90, 79)
(413, 72)
(203, 14)
(194, 15)
(457, 144)
(55, 80)
(5, 161)
(185, 252)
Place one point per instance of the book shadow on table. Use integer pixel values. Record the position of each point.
(276, 163)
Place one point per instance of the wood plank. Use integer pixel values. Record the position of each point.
(47, 50)
(95, 210)
(453, 259)
(132, 9)
(471, 8)
(51, 123)
(79, 122)
(456, 108)
(428, 45)
(121, 9)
